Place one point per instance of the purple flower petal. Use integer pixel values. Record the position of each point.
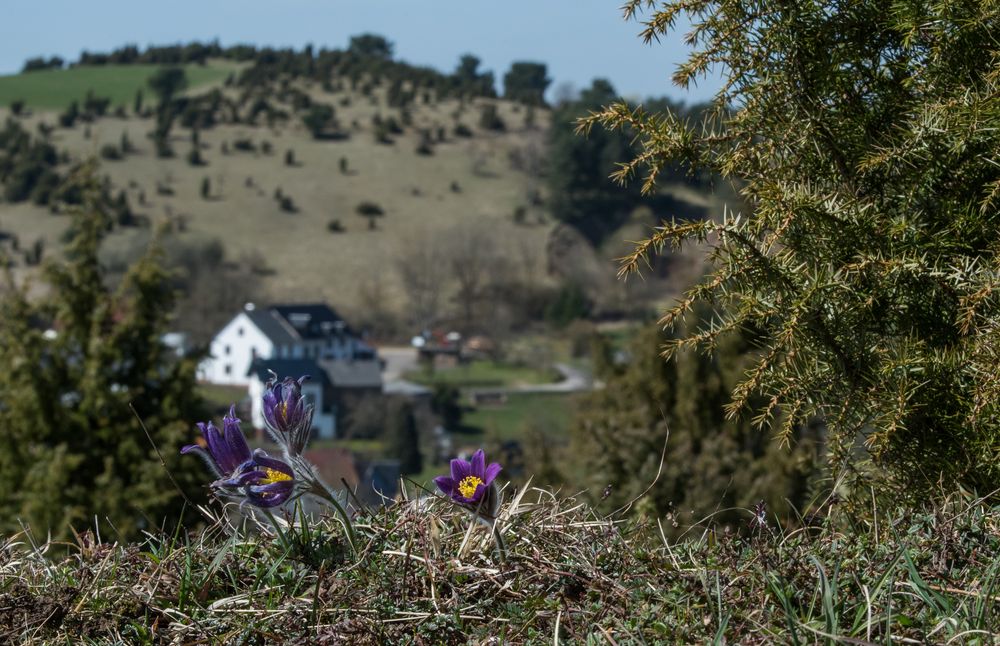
(445, 484)
(287, 415)
(478, 464)
(492, 472)
(460, 469)
(270, 495)
(212, 440)
(239, 451)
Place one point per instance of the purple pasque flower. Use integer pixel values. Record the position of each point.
(263, 480)
(260, 480)
(224, 451)
(471, 481)
(286, 414)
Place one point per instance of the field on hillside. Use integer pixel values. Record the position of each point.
(484, 189)
(429, 201)
(56, 89)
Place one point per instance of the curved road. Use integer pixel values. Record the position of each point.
(402, 359)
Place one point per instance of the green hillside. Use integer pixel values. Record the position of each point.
(261, 208)
(56, 89)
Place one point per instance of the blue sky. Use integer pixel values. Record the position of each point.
(578, 39)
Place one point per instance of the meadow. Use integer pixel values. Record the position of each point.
(572, 574)
(56, 89)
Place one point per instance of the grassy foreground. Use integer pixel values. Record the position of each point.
(571, 576)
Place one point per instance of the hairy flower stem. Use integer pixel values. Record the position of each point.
(501, 546)
(491, 524)
(319, 489)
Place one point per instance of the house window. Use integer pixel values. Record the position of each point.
(228, 369)
(227, 350)
(239, 331)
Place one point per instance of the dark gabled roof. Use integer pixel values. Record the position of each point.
(341, 374)
(294, 368)
(273, 327)
(312, 320)
(352, 374)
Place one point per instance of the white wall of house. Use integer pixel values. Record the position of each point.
(324, 424)
(232, 350)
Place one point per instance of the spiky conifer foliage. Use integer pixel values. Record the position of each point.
(71, 451)
(864, 138)
(712, 467)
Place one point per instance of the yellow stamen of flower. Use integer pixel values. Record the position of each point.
(284, 409)
(273, 475)
(467, 487)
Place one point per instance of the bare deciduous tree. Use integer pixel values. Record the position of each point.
(423, 272)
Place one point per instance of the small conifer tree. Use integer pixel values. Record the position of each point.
(863, 139)
(71, 450)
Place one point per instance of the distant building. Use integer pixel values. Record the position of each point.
(311, 331)
(372, 482)
(334, 387)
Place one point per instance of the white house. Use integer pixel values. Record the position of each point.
(305, 331)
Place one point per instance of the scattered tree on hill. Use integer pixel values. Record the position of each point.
(28, 166)
(39, 64)
(206, 188)
(68, 117)
(469, 81)
(95, 106)
(318, 119)
(71, 451)
(17, 107)
(137, 102)
(371, 211)
(290, 157)
(425, 148)
(166, 82)
(864, 144)
(526, 82)
(111, 152)
(489, 118)
(370, 46)
(161, 134)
